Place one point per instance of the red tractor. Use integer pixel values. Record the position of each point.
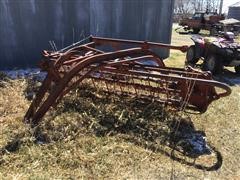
(201, 20)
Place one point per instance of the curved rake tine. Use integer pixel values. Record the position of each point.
(122, 72)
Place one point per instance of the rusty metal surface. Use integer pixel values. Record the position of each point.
(123, 70)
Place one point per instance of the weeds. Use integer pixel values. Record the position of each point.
(90, 134)
(93, 135)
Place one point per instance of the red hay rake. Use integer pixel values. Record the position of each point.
(123, 70)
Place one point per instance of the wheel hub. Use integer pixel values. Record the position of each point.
(211, 64)
(190, 55)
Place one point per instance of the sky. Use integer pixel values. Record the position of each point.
(226, 3)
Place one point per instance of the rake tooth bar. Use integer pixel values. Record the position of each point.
(123, 72)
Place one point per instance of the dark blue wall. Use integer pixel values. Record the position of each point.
(27, 26)
(133, 19)
(234, 12)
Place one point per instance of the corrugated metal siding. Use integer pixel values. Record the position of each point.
(28, 25)
(141, 20)
(234, 12)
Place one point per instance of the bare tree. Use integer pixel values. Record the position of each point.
(182, 6)
(191, 6)
(198, 5)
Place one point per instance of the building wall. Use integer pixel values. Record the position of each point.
(27, 26)
(139, 20)
(234, 12)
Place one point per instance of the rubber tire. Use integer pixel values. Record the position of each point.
(213, 64)
(237, 69)
(191, 58)
(196, 30)
(213, 31)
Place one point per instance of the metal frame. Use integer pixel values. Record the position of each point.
(122, 70)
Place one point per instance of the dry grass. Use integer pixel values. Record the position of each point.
(97, 136)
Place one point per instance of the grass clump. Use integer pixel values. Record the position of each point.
(94, 135)
(91, 134)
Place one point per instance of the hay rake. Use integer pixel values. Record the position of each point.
(118, 68)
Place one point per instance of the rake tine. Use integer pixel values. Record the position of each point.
(134, 86)
(121, 74)
(93, 82)
(149, 83)
(121, 88)
(107, 87)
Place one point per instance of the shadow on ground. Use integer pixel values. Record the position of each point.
(146, 124)
(228, 77)
(181, 31)
(183, 143)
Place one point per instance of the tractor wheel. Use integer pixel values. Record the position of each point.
(237, 69)
(213, 64)
(213, 31)
(191, 58)
(196, 30)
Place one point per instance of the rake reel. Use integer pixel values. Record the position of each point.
(120, 69)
